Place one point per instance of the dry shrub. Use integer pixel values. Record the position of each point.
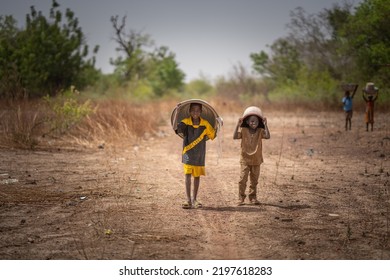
(117, 120)
(24, 124)
(21, 124)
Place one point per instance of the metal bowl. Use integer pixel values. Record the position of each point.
(208, 113)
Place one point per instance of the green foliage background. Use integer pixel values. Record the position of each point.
(322, 51)
(338, 45)
(48, 55)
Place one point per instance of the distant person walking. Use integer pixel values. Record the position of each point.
(251, 129)
(370, 95)
(347, 104)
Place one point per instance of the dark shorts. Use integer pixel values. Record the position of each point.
(348, 114)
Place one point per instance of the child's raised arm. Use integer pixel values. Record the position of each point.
(354, 91)
(376, 95)
(364, 97)
(236, 133)
(267, 135)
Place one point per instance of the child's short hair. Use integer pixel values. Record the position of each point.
(195, 104)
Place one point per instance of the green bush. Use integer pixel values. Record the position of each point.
(67, 111)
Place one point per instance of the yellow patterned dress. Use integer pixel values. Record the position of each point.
(194, 145)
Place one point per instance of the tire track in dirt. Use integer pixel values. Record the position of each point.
(218, 219)
(214, 226)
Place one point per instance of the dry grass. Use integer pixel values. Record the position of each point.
(116, 120)
(25, 124)
(21, 124)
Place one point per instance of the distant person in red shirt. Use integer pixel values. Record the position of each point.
(370, 94)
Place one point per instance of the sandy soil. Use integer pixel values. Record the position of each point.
(324, 194)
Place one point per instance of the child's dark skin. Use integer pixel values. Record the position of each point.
(195, 112)
(370, 98)
(253, 123)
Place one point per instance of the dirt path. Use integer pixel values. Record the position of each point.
(324, 194)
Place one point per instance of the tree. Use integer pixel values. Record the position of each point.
(314, 41)
(10, 80)
(331, 47)
(132, 45)
(48, 55)
(137, 62)
(307, 62)
(282, 65)
(164, 71)
(318, 39)
(368, 36)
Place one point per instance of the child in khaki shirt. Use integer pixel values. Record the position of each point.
(251, 129)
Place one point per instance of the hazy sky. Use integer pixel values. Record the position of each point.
(208, 37)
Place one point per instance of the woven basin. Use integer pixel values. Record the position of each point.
(208, 113)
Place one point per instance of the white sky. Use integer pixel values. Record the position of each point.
(208, 37)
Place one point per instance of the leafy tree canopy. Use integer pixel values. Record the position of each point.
(46, 56)
(340, 44)
(140, 59)
(368, 35)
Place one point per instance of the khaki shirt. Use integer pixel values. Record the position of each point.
(251, 146)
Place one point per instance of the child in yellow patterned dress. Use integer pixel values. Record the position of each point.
(195, 131)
